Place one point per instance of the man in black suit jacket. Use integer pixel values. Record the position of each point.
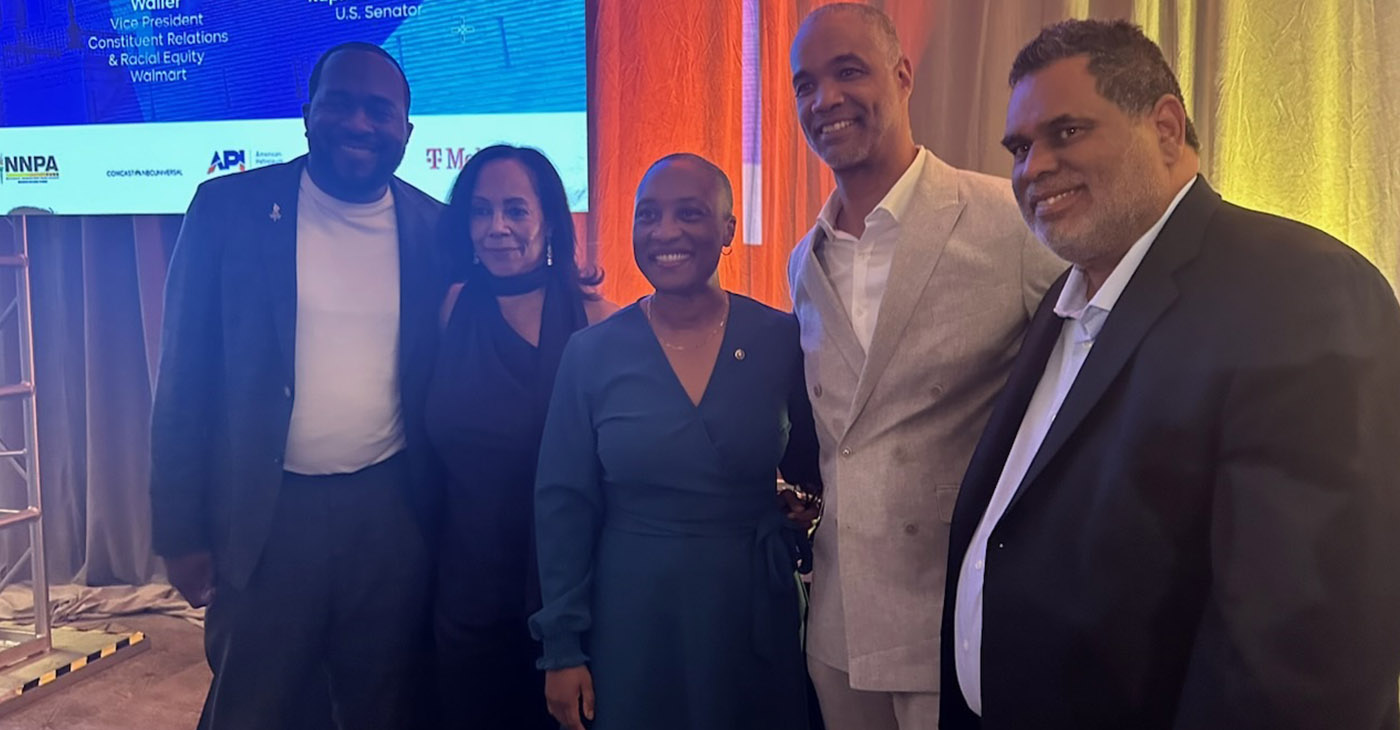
(291, 483)
(1185, 509)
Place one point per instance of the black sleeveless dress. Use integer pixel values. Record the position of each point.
(486, 406)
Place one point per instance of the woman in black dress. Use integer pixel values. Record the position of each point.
(504, 329)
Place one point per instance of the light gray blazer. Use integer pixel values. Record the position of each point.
(897, 425)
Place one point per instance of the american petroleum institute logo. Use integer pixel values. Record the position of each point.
(228, 160)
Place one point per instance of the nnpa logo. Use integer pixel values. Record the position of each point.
(228, 160)
(29, 169)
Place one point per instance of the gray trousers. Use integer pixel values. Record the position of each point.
(844, 708)
(338, 606)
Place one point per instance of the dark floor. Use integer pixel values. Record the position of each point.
(161, 688)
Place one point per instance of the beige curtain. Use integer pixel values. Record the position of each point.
(1296, 101)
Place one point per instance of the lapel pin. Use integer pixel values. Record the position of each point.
(276, 214)
(739, 354)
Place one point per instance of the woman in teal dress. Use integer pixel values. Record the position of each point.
(666, 556)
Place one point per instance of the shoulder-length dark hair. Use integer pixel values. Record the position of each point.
(455, 228)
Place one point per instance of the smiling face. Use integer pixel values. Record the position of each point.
(507, 221)
(680, 226)
(852, 91)
(1090, 178)
(357, 124)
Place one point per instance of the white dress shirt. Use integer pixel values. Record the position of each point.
(859, 268)
(1083, 319)
(346, 409)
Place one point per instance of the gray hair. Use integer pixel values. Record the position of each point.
(873, 17)
(1128, 68)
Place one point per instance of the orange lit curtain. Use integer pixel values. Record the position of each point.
(664, 77)
(1294, 101)
(668, 77)
(795, 182)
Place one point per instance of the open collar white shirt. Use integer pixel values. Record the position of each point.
(1084, 318)
(859, 267)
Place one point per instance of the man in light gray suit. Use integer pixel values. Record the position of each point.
(913, 290)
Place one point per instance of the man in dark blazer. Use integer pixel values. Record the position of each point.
(291, 479)
(1185, 509)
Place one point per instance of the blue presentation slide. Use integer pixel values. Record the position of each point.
(125, 107)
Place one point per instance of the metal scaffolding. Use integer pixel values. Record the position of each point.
(16, 643)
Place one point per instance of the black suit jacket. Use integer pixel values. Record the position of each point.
(1209, 536)
(224, 391)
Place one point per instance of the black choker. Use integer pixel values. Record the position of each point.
(509, 286)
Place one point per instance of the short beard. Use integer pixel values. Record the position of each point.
(842, 159)
(323, 152)
(1088, 248)
(1114, 226)
(856, 156)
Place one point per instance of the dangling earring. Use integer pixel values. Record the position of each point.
(549, 254)
(475, 259)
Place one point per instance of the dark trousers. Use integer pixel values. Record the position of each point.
(338, 606)
(487, 676)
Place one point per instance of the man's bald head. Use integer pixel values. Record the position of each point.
(718, 178)
(874, 19)
(682, 223)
